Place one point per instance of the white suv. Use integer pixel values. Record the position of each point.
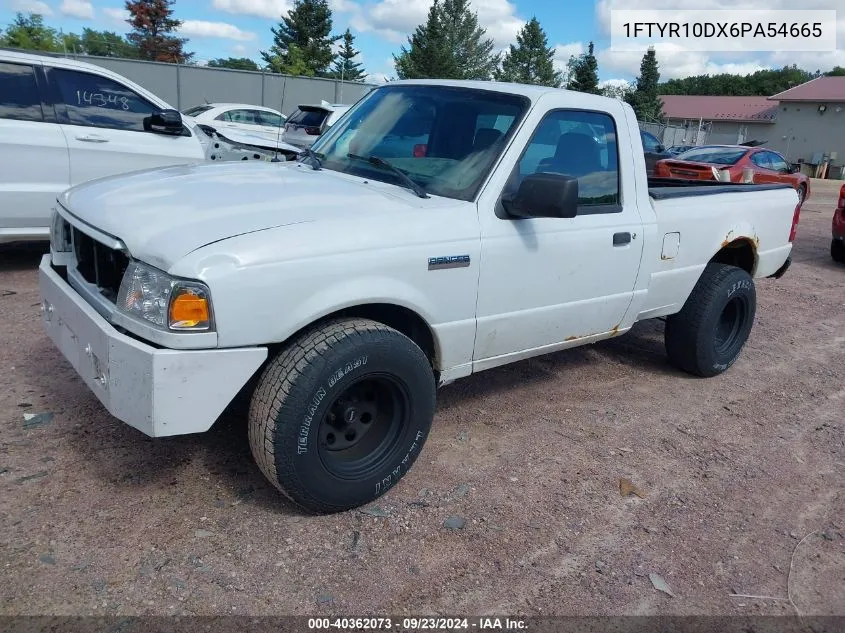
(308, 122)
(63, 122)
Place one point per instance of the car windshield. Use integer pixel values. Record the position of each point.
(445, 139)
(714, 155)
(197, 110)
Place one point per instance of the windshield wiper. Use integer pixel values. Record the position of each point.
(380, 162)
(316, 161)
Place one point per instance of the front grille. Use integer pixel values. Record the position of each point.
(98, 264)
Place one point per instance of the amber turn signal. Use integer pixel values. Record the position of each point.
(189, 310)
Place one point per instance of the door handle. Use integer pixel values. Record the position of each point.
(92, 139)
(620, 239)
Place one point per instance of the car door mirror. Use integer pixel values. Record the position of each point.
(164, 122)
(794, 169)
(544, 196)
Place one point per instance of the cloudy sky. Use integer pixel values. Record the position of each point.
(241, 28)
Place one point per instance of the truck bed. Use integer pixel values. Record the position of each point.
(668, 188)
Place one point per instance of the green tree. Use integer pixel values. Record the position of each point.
(345, 67)
(428, 54)
(763, 83)
(584, 72)
(236, 63)
(153, 26)
(619, 91)
(838, 71)
(28, 32)
(107, 44)
(303, 41)
(450, 45)
(531, 61)
(645, 98)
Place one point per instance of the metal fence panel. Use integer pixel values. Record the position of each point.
(186, 86)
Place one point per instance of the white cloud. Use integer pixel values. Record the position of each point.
(221, 30)
(564, 51)
(32, 6)
(343, 6)
(117, 16)
(77, 9)
(239, 49)
(394, 20)
(273, 9)
(377, 78)
(674, 63)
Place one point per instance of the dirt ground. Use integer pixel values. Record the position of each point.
(96, 518)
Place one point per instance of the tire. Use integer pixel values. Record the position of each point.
(706, 337)
(837, 251)
(341, 413)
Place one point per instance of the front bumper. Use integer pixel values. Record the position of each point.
(160, 392)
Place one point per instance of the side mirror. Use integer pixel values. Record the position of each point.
(164, 122)
(794, 169)
(544, 196)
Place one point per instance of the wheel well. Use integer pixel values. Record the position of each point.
(401, 319)
(739, 253)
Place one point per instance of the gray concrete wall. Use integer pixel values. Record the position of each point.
(801, 131)
(186, 86)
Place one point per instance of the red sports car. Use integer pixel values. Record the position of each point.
(733, 163)
(837, 245)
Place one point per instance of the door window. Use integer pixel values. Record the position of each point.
(761, 159)
(777, 162)
(650, 143)
(578, 144)
(270, 119)
(19, 98)
(246, 117)
(97, 101)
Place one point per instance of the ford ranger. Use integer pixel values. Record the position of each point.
(337, 292)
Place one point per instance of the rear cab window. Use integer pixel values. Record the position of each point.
(197, 110)
(311, 117)
(19, 96)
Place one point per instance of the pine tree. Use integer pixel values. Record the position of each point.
(583, 72)
(450, 45)
(428, 54)
(235, 63)
(644, 99)
(152, 24)
(531, 61)
(303, 41)
(345, 67)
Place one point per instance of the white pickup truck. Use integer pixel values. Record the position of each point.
(339, 291)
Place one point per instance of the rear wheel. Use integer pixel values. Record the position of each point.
(341, 414)
(706, 337)
(837, 251)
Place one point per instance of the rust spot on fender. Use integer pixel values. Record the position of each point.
(756, 242)
(572, 338)
(615, 330)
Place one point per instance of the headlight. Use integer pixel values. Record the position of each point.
(59, 233)
(170, 304)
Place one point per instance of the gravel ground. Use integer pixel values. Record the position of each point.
(734, 471)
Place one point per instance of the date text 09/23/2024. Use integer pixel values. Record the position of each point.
(416, 624)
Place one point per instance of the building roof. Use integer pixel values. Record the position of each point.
(818, 89)
(715, 108)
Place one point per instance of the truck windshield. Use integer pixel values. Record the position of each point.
(444, 139)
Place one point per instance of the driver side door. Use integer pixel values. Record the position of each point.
(546, 281)
(102, 120)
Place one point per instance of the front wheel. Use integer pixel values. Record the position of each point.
(706, 337)
(341, 414)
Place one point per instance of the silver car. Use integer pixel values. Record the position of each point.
(308, 122)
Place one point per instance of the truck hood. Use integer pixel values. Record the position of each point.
(163, 214)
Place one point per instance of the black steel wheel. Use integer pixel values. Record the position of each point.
(341, 414)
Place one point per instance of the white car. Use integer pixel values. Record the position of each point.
(63, 122)
(337, 292)
(259, 121)
(308, 122)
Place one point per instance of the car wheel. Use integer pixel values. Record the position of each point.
(341, 413)
(706, 337)
(837, 250)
